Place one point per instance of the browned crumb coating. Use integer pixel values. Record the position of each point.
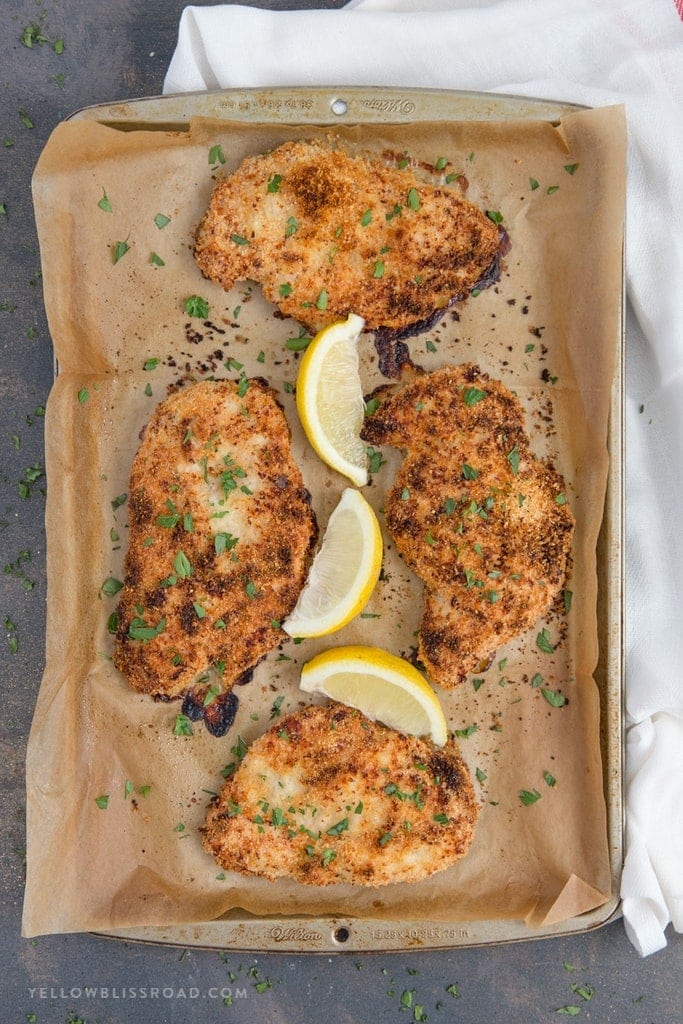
(220, 532)
(327, 234)
(327, 796)
(474, 514)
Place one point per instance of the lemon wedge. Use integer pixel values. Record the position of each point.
(329, 398)
(344, 571)
(381, 685)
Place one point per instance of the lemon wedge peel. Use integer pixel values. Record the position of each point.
(329, 398)
(383, 686)
(344, 572)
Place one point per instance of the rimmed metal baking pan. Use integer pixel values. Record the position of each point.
(352, 105)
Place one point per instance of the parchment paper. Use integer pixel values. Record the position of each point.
(549, 330)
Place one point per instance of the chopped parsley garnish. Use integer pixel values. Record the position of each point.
(300, 343)
(139, 630)
(473, 395)
(33, 34)
(413, 199)
(554, 698)
(376, 461)
(216, 155)
(336, 830)
(224, 542)
(104, 203)
(161, 220)
(277, 817)
(171, 520)
(195, 305)
(228, 476)
(276, 709)
(102, 801)
(529, 796)
(12, 638)
(274, 183)
(466, 733)
(182, 565)
(111, 586)
(514, 460)
(182, 726)
(120, 250)
(544, 643)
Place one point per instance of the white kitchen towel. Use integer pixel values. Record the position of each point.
(595, 52)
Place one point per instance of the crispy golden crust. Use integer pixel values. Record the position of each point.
(220, 531)
(327, 796)
(473, 513)
(327, 234)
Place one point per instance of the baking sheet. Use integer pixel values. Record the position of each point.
(550, 330)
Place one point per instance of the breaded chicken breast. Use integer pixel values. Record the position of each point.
(328, 796)
(474, 514)
(326, 234)
(221, 528)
